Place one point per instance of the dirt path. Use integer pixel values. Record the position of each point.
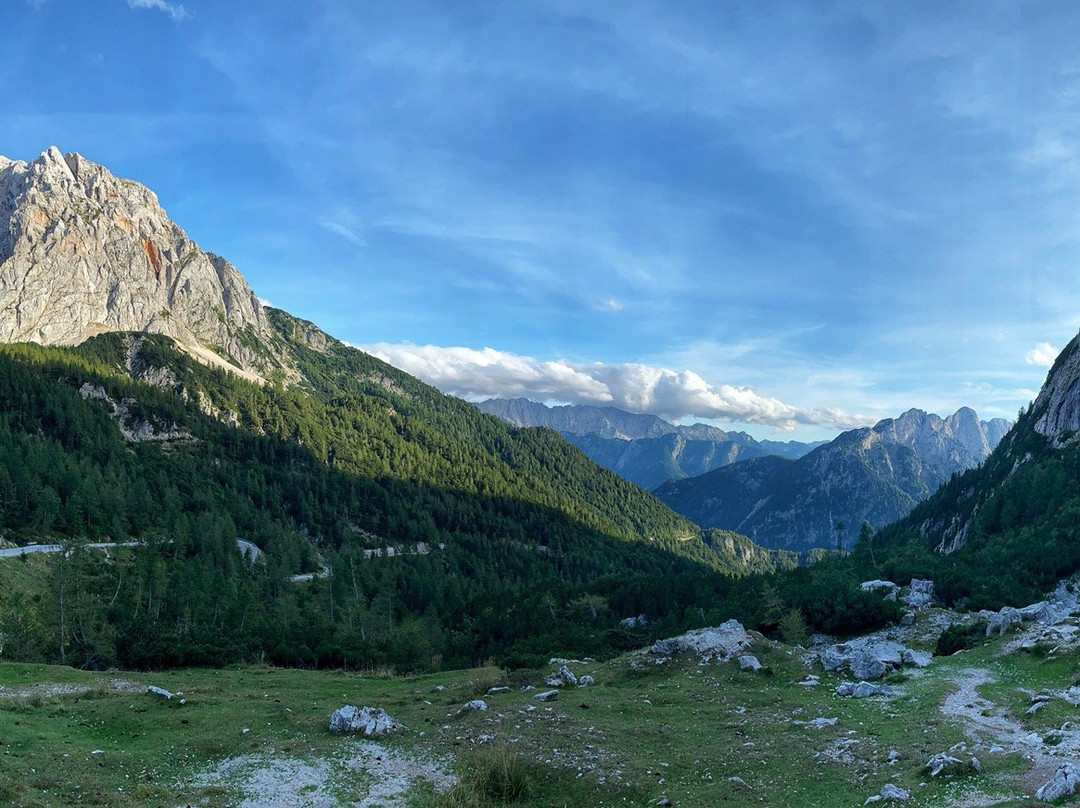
(989, 728)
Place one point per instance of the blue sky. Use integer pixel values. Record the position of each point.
(789, 218)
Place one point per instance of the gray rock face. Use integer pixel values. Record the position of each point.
(1059, 399)
(372, 721)
(720, 643)
(1064, 783)
(83, 252)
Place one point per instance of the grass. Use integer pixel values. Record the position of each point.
(678, 730)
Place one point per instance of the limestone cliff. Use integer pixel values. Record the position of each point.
(83, 252)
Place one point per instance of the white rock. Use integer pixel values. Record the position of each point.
(369, 720)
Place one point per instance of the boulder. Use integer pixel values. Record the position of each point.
(907, 619)
(889, 793)
(748, 662)
(547, 695)
(563, 677)
(1064, 783)
(999, 622)
(868, 666)
(586, 681)
(918, 659)
(639, 622)
(369, 720)
(718, 643)
(476, 705)
(159, 691)
(920, 594)
(885, 587)
(945, 764)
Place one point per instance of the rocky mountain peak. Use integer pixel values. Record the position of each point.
(1058, 406)
(83, 252)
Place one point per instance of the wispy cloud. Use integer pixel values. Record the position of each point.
(174, 10)
(346, 233)
(635, 387)
(1042, 355)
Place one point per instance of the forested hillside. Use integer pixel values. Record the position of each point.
(529, 546)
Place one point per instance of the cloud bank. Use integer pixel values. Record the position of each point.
(477, 374)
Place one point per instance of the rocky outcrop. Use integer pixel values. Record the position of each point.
(83, 252)
(715, 644)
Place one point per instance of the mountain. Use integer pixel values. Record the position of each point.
(1008, 530)
(875, 475)
(147, 396)
(644, 449)
(83, 252)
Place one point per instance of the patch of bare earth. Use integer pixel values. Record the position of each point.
(367, 775)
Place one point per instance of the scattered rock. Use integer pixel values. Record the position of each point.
(476, 705)
(547, 695)
(818, 723)
(586, 681)
(749, 662)
(862, 690)
(1062, 784)
(494, 691)
(738, 781)
(1034, 708)
(369, 720)
(907, 619)
(159, 691)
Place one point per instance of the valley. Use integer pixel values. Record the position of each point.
(652, 727)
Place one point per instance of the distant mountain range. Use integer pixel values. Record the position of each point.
(644, 449)
(875, 475)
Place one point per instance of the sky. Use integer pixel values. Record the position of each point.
(788, 218)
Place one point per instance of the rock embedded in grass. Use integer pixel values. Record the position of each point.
(372, 721)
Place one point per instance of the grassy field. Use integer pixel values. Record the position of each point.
(645, 732)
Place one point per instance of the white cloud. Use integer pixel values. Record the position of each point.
(475, 374)
(1042, 355)
(174, 10)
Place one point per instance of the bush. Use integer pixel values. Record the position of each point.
(959, 638)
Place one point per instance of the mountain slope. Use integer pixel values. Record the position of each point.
(874, 475)
(507, 541)
(644, 449)
(1007, 531)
